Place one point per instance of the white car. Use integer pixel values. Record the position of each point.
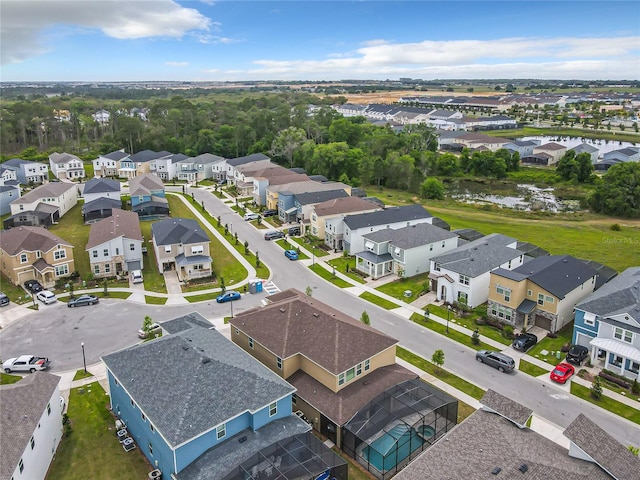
(26, 363)
(136, 276)
(46, 297)
(251, 216)
(154, 329)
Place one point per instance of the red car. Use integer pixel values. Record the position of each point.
(562, 372)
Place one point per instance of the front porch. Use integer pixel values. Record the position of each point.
(374, 265)
(196, 266)
(616, 356)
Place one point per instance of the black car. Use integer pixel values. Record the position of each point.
(524, 341)
(33, 286)
(577, 354)
(269, 213)
(4, 300)
(294, 231)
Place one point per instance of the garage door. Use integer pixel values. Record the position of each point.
(582, 339)
(133, 265)
(543, 322)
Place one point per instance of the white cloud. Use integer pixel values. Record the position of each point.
(215, 39)
(177, 64)
(24, 21)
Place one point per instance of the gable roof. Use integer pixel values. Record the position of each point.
(293, 326)
(344, 205)
(308, 198)
(121, 223)
(254, 157)
(117, 155)
(102, 203)
(222, 382)
(557, 274)
(177, 230)
(603, 449)
(412, 236)
(584, 147)
(31, 239)
(58, 158)
(18, 162)
(205, 158)
(550, 146)
(620, 295)
(144, 184)
(101, 185)
(148, 155)
(306, 186)
(479, 256)
(504, 406)
(23, 404)
(51, 189)
(185, 322)
(386, 216)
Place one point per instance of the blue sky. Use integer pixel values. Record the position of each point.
(112, 40)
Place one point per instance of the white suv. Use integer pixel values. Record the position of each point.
(136, 276)
(251, 216)
(46, 297)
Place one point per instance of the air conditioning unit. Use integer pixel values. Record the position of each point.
(154, 474)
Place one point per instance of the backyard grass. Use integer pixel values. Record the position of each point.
(6, 379)
(453, 334)
(321, 272)
(381, 302)
(80, 374)
(151, 300)
(619, 408)
(469, 322)
(552, 345)
(72, 229)
(153, 279)
(91, 449)
(531, 369)
(415, 285)
(287, 245)
(440, 373)
(16, 294)
(341, 264)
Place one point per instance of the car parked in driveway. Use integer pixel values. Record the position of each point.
(251, 216)
(136, 276)
(499, 360)
(154, 328)
(46, 297)
(4, 300)
(562, 373)
(33, 286)
(291, 254)
(577, 354)
(524, 341)
(82, 300)
(228, 296)
(269, 213)
(272, 234)
(26, 363)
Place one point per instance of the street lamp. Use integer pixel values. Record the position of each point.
(231, 302)
(313, 255)
(448, 315)
(84, 360)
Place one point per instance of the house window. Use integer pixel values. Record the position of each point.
(58, 254)
(23, 258)
(431, 247)
(507, 295)
(151, 427)
(48, 409)
(294, 398)
(273, 409)
(150, 448)
(464, 280)
(279, 363)
(444, 242)
(237, 331)
(167, 249)
(96, 269)
(350, 374)
(540, 299)
(143, 416)
(617, 360)
(529, 293)
(38, 254)
(463, 297)
(95, 253)
(548, 299)
(622, 334)
(358, 369)
(197, 250)
(32, 442)
(107, 268)
(436, 267)
(499, 290)
(132, 246)
(341, 379)
(635, 367)
(133, 404)
(21, 465)
(366, 365)
(509, 266)
(117, 251)
(141, 198)
(221, 431)
(250, 342)
(62, 270)
(105, 252)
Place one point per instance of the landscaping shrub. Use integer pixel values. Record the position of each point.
(596, 389)
(507, 331)
(616, 227)
(614, 379)
(565, 348)
(635, 387)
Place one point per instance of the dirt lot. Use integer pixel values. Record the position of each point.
(391, 97)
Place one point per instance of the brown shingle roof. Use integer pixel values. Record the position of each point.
(605, 450)
(343, 405)
(120, 223)
(518, 414)
(304, 325)
(344, 205)
(144, 184)
(550, 146)
(30, 239)
(52, 189)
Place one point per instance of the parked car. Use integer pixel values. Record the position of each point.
(82, 300)
(269, 213)
(26, 363)
(46, 297)
(228, 296)
(271, 234)
(154, 328)
(562, 373)
(577, 354)
(4, 300)
(524, 341)
(499, 360)
(291, 254)
(294, 231)
(136, 276)
(251, 216)
(33, 286)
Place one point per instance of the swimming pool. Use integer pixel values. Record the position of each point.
(386, 451)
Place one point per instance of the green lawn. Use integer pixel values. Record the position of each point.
(6, 379)
(321, 272)
(203, 297)
(469, 322)
(151, 300)
(153, 279)
(453, 334)
(16, 294)
(287, 245)
(121, 295)
(304, 241)
(619, 408)
(80, 374)
(381, 302)
(341, 264)
(415, 284)
(71, 228)
(91, 449)
(552, 345)
(531, 369)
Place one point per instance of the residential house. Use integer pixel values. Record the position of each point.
(66, 166)
(181, 244)
(166, 167)
(232, 418)
(244, 175)
(339, 378)
(8, 193)
(628, 154)
(115, 244)
(587, 453)
(463, 274)
(202, 167)
(303, 202)
(29, 253)
(28, 171)
(8, 175)
(607, 322)
(548, 154)
(31, 425)
(44, 205)
(147, 195)
(101, 116)
(586, 148)
(523, 147)
(287, 209)
(108, 165)
(271, 176)
(404, 251)
(542, 292)
(232, 163)
(358, 225)
(139, 163)
(326, 218)
(101, 196)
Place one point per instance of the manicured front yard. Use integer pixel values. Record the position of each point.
(153, 279)
(6, 379)
(342, 263)
(531, 369)
(381, 302)
(415, 285)
(150, 299)
(453, 334)
(469, 322)
(16, 294)
(287, 245)
(321, 272)
(72, 229)
(309, 244)
(552, 345)
(91, 449)
(619, 408)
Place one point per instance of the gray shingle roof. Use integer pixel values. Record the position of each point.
(605, 450)
(145, 184)
(23, 404)
(205, 158)
(52, 189)
(148, 155)
(57, 158)
(620, 295)
(480, 256)
(102, 203)
(185, 322)
(557, 274)
(121, 223)
(101, 185)
(255, 157)
(386, 216)
(216, 381)
(117, 155)
(178, 230)
(504, 406)
(17, 239)
(318, 197)
(411, 236)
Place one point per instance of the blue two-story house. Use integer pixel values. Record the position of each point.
(199, 407)
(608, 323)
(147, 195)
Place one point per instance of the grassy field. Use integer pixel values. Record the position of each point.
(531, 369)
(151, 300)
(415, 285)
(153, 279)
(327, 275)
(621, 409)
(341, 264)
(453, 334)
(618, 136)
(203, 297)
(469, 322)
(381, 302)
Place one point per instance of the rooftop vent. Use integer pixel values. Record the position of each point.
(282, 310)
(315, 314)
(205, 360)
(523, 468)
(496, 470)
